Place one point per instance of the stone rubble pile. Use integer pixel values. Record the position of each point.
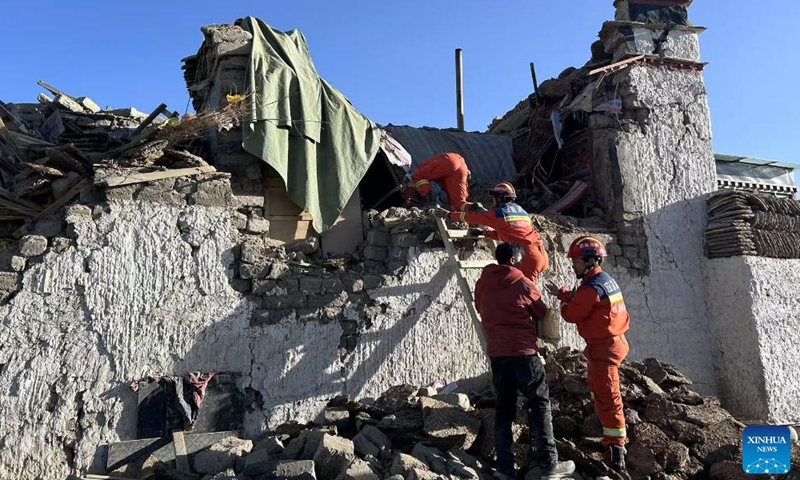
(416, 433)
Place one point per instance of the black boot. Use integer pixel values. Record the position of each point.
(616, 458)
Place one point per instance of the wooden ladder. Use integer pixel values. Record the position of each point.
(459, 266)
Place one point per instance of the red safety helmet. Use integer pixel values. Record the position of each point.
(503, 189)
(584, 247)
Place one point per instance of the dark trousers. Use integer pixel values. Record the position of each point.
(524, 374)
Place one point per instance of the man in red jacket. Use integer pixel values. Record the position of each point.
(450, 171)
(510, 223)
(598, 311)
(509, 305)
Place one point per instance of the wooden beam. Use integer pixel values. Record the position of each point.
(459, 91)
(52, 89)
(147, 121)
(54, 207)
(616, 66)
(181, 457)
(135, 177)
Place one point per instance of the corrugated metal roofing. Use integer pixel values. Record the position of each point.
(754, 161)
(489, 157)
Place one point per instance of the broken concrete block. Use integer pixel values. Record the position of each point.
(338, 417)
(450, 426)
(48, 228)
(17, 263)
(359, 470)
(239, 220)
(258, 225)
(371, 441)
(64, 101)
(310, 285)
(457, 399)
(333, 457)
(32, 245)
(251, 271)
(78, 212)
(88, 104)
(222, 455)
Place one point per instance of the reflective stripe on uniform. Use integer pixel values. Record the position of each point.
(614, 432)
(422, 182)
(517, 218)
(617, 297)
(464, 216)
(591, 395)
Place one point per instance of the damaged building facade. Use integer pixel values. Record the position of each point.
(142, 277)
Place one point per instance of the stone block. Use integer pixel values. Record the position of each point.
(254, 252)
(239, 220)
(403, 464)
(292, 470)
(77, 212)
(378, 238)
(623, 262)
(614, 250)
(278, 271)
(332, 285)
(397, 255)
(639, 264)
(630, 252)
(310, 285)
(405, 240)
(449, 426)
(304, 447)
(88, 104)
(290, 285)
(427, 392)
(626, 239)
(48, 228)
(327, 300)
(62, 185)
(9, 281)
(432, 457)
(60, 244)
(372, 252)
(254, 271)
(333, 457)
(32, 245)
(17, 263)
(354, 285)
(270, 317)
(222, 455)
(241, 285)
(371, 441)
(371, 281)
(291, 300)
(458, 399)
(262, 285)
(258, 225)
(359, 470)
(67, 103)
(212, 193)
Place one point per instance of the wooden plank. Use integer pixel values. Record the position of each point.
(135, 177)
(55, 206)
(475, 263)
(21, 201)
(616, 66)
(181, 458)
(466, 291)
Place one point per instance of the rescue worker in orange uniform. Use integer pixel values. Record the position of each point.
(597, 309)
(510, 223)
(449, 171)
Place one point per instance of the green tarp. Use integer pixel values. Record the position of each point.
(302, 127)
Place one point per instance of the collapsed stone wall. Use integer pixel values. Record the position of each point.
(167, 278)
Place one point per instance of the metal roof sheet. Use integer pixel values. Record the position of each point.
(754, 161)
(489, 157)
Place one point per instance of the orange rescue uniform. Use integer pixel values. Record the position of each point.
(450, 171)
(598, 311)
(512, 224)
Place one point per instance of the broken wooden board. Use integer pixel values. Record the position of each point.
(136, 177)
(181, 457)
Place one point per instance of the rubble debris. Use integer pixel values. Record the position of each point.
(673, 432)
(742, 223)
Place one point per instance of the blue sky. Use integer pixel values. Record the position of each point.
(394, 60)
